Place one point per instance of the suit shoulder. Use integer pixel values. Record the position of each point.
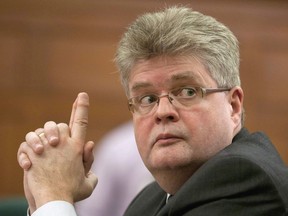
(237, 172)
(227, 183)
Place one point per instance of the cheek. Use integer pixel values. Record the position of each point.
(204, 121)
(214, 126)
(142, 131)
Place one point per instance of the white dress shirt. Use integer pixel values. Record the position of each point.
(55, 208)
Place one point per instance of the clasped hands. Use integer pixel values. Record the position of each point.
(56, 159)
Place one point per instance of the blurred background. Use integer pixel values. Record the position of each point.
(51, 50)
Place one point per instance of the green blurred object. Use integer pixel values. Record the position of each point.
(13, 206)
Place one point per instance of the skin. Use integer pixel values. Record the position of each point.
(57, 159)
(174, 142)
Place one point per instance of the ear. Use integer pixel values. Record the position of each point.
(236, 97)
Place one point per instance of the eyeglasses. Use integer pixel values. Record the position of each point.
(179, 97)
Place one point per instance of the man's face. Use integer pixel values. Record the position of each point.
(173, 138)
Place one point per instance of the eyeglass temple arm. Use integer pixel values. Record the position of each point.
(212, 90)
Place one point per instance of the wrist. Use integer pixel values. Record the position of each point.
(44, 196)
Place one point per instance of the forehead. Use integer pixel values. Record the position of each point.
(165, 72)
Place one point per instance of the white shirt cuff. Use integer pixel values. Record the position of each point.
(56, 208)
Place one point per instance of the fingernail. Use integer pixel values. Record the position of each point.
(25, 164)
(53, 140)
(39, 148)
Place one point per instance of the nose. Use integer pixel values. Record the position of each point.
(165, 110)
(166, 95)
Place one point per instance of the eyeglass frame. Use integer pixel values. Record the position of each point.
(204, 92)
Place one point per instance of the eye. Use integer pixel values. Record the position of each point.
(147, 100)
(187, 92)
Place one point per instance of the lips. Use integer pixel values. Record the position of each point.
(166, 139)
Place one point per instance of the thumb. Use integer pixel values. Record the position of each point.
(87, 188)
(92, 180)
(88, 156)
(28, 194)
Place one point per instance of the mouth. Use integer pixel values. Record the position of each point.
(167, 139)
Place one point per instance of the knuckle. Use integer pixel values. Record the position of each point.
(20, 149)
(50, 123)
(62, 125)
(39, 130)
(83, 122)
(79, 150)
(29, 136)
(50, 128)
(24, 148)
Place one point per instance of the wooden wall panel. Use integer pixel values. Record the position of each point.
(51, 50)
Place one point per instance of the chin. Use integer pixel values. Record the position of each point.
(168, 163)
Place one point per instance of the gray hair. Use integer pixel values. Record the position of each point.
(180, 31)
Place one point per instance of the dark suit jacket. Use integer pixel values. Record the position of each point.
(247, 178)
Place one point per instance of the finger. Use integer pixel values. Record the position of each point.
(88, 150)
(51, 133)
(90, 183)
(80, 117)
(24, 161)
(41, 134)
(63, 130)
(39, 131)
(92, 180)
(43, 138)
(23, 158)
(34, 142)
(73, 113)
(88, 156)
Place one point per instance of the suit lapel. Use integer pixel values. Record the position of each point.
(161, 207)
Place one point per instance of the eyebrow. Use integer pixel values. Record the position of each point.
(140, 85)
(186, 75)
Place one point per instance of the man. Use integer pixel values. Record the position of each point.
(180, 71)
